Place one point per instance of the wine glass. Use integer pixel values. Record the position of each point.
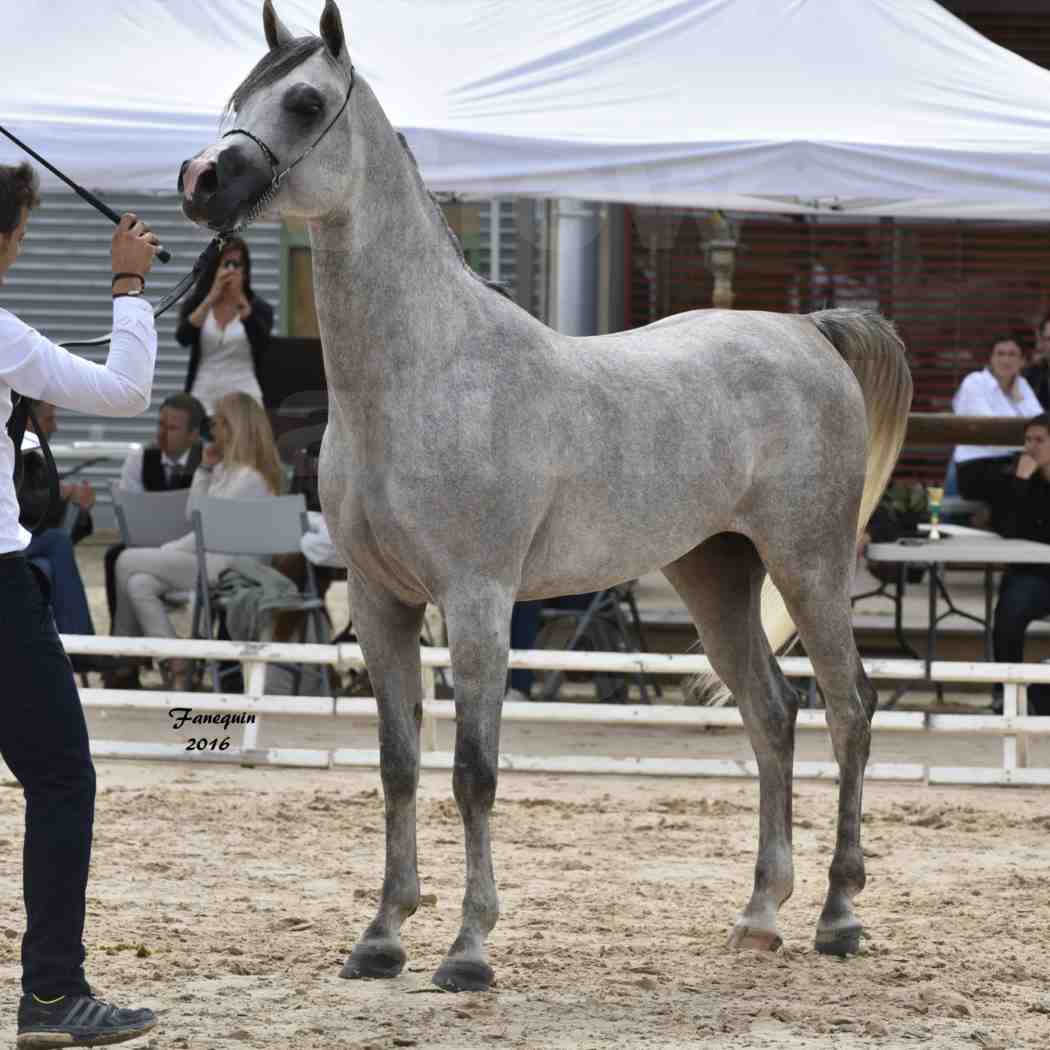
(934, 495)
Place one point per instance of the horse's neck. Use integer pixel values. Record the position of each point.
(382, 268)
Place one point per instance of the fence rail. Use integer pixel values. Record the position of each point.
(1015, 727)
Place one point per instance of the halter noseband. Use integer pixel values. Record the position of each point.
(279, 173)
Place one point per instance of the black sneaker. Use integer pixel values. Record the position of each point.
(77, 1020)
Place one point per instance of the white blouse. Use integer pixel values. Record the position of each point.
(226, 363)
(981, 395)
(220, 483)
(34, 366)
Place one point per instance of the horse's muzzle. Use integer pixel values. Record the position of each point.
(219, 185)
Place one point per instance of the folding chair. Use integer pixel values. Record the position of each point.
(255, 528)
(150, 519)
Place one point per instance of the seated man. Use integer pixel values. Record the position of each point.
(35, 496)
(51, 548)
(1022, 507)
(169, 464)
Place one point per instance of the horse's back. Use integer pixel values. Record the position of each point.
(780, 361)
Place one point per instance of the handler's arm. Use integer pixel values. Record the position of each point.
(36, 367)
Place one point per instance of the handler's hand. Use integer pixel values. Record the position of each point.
(133, 246)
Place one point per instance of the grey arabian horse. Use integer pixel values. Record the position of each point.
(474, 456)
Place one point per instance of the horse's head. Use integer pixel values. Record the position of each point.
(283, 118)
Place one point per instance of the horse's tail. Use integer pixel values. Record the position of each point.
(869, 344)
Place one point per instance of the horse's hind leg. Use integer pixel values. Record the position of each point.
(389, 635)
(819, 604)
(721, 581)
(478, 615)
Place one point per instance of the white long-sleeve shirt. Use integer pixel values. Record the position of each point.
(221, 483)
(35, 367)
(981, 395)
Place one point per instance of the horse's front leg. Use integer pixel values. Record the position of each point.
(478, 619)
(389, 635)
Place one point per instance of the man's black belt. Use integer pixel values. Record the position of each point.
(12, 554)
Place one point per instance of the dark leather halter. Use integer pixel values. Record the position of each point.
(280, 173)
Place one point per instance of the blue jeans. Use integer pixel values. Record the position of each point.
(44, 741)
(525, 628)
(52, 552)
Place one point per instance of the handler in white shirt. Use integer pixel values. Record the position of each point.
(997, 390)
(43, 736)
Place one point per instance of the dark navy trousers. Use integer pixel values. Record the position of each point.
(1024, 596)
(44, 741)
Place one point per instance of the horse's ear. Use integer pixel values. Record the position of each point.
(332, 29)
(277, 33)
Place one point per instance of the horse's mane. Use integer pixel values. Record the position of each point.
(494, 286)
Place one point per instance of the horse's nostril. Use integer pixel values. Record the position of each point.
(208, 181)
(198, 176)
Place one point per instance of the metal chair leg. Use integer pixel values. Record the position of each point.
(553, 679)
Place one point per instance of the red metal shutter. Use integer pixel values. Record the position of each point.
(951, 287)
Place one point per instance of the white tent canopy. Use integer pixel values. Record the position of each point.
(862, 106)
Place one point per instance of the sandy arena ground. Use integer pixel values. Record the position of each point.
(227, 899)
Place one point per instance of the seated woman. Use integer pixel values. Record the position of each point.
(240, 463)
(997, 390)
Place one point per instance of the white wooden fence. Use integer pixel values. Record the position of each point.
(1013, 726)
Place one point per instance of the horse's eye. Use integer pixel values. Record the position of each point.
(304, 101)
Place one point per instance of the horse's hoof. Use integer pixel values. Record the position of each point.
(843, 941)
(754, 938)
(374, 961)
(461, 975)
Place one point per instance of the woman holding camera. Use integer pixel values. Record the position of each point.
(227, 328)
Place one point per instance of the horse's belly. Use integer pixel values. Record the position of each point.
(585, 548)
